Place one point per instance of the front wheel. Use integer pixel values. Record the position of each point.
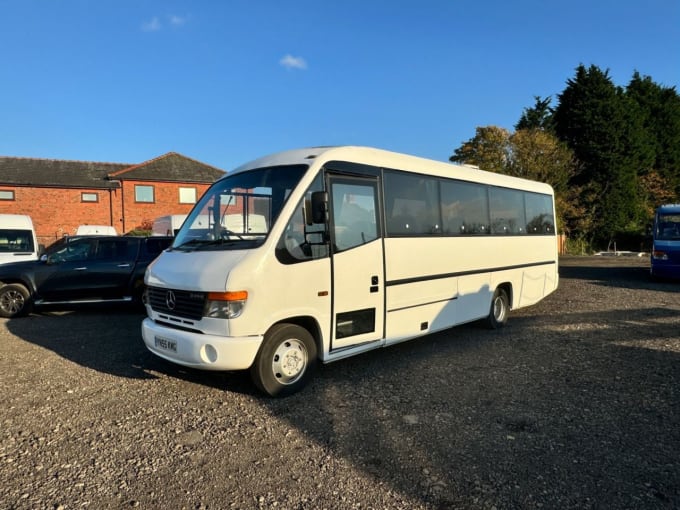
(286, 360)
(500, 307)
(15, 301)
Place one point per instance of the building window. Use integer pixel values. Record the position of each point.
(144, 193)
(6, 194)
(89, 197)
(187, 195)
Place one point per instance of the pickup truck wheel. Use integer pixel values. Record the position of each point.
(286, 360)
(15, 301)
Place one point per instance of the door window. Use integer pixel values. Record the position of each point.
(354, 214)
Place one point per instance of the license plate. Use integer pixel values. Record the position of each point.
(165, 344)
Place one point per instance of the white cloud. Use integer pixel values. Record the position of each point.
(291, 62)
(177, 21)
(152, 26)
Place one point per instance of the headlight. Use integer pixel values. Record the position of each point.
(225, 305)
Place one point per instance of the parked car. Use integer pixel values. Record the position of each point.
(78, 270)
(18, 241)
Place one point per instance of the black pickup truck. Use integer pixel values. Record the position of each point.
(78, 270)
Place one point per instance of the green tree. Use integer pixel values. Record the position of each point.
(540, 116)
(605, 130)
(660, 110)
(488, 149)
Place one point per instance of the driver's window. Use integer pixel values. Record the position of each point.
(301, 241)
(73, 251)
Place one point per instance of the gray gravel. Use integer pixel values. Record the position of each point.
(575, 404)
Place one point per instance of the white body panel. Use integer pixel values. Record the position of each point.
(100, 230)
(424, 284)
(16, 237)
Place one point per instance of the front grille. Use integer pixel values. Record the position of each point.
(186, 304)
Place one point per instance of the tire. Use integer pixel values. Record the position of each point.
(499, 310)
(286, 360)
(15, 301)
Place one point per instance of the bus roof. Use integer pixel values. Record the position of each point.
(392, 160)
(669, 208)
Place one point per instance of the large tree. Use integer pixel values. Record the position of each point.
(660, 111)
(605, 130)
(488, 149)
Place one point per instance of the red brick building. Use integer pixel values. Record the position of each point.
(61, 195)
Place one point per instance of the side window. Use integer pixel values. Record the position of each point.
(115, 249)
(77, 250)
(465, 208)
(354, 214)
(539, 211)
(507, 211)
(302, 240)
(411, 204)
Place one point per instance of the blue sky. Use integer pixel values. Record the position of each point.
(227, 81)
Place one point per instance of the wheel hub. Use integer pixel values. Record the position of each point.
(289, 362)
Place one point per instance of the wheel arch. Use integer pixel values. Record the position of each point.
(507, 287)
(20, 281)
(310, 324)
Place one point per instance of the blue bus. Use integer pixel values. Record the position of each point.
(666, 242)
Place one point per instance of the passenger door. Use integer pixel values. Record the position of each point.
(357, 261)
(65, 275)
(111, 267)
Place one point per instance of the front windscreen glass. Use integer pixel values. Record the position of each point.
(12, 240)
(668, 227)
(237, 212)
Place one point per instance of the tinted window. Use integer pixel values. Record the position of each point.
(411, 204)
(12, 240)
(75, 250)
(539, 213)
(507, 211)
(116, 249)
(465, 208)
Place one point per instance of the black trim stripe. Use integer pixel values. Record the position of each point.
(416, 279)
(422, 304)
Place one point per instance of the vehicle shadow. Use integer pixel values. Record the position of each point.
(106, 339)
(614, 272)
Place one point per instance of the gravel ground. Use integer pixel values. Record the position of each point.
(575, 404)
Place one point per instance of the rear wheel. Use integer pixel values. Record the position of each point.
(500, 307)
(286, 360)
(15, 301)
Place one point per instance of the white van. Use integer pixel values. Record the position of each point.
(17, 239)
(96, 230)
(167, 225)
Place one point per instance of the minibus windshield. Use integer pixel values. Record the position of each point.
(668, 227)
(238, 211)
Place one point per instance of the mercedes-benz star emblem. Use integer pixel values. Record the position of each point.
(170, 300)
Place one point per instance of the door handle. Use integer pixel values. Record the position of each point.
(123, 265)
(80, 268)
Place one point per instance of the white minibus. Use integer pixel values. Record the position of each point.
(359, 248)
(18, 241)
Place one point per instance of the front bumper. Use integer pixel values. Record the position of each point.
(196, 350)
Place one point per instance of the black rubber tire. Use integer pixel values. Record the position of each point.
(499, 309)
(15, 301)
(285, 362)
